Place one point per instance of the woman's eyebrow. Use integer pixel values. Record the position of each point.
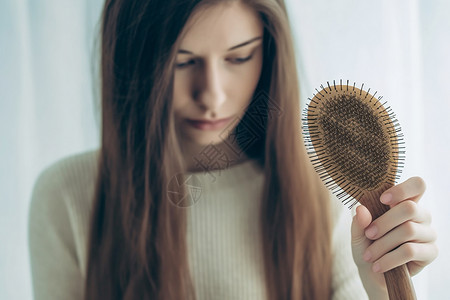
(232, 48)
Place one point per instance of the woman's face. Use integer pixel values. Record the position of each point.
(217, 69)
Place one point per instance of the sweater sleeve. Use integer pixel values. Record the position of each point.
(54, 264)
(346, 282)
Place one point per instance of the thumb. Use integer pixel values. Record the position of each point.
(361, 220)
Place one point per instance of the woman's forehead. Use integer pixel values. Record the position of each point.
(220, 27)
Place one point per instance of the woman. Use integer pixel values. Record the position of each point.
(208, 90)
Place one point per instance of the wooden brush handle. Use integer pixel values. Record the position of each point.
(398, 280)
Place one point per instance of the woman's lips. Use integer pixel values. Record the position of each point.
(209, 125)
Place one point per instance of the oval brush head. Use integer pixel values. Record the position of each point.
(355, 145)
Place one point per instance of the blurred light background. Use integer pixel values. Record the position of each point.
(49, 98)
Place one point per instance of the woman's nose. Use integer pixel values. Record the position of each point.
(211, 93)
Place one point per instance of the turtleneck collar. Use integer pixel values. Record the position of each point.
(235, 175)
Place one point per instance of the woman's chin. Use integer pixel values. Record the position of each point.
(205, 139)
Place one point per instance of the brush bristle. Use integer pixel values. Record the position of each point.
(353, 141)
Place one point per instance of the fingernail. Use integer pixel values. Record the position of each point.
(371, 232)
(376, 267)
(367, 256)
(386, 198)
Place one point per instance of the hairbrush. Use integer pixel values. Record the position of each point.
(356, 146)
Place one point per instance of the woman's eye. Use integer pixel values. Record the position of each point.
(237, 61)
(242, 60)
(182, 65)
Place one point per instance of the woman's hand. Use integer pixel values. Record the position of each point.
(405, 228)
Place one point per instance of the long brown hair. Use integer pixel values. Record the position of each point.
(137, 243)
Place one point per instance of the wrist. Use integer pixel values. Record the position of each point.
(377, 294)
(375, 287)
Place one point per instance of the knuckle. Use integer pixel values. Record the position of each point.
(409, 229)
(410, 207)
(408, 250)
(376, 248)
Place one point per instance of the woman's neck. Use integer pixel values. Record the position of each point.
(211, 157)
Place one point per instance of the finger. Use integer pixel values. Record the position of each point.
(361, 220)
(420, 253)
(411, 189)
(407, 232)
(415, 267)
(405, 211)
(359, 241)
(363, 216)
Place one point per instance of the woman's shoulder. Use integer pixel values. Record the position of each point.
(70, 179)
(69, 171)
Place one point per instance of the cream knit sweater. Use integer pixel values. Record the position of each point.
(223, 235)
